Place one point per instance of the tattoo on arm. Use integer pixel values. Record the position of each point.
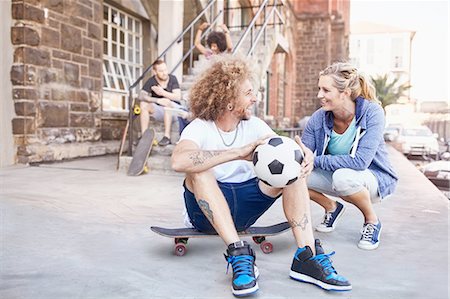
(200, 157)
(203, 204)
(302, 223)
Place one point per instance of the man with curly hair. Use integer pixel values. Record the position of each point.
(221, 191)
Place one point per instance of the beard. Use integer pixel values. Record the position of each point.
(163, 77)
(245, 114)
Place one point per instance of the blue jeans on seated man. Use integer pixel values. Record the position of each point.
(182, 123)
(246, 202)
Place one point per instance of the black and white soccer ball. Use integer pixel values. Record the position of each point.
(278, 162)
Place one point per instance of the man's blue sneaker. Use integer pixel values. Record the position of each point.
(330, 219)
(245, 274)
(370, 236)
(317, 269)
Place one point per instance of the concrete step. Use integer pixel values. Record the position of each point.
(188, 78)
(186, 86)
(158, 162)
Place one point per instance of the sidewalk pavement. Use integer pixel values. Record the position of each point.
(80, 229)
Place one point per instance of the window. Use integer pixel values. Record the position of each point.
(122, 56)
(234, 16)
(396, 52)
(370, 51)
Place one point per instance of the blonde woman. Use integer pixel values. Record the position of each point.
(351, 161)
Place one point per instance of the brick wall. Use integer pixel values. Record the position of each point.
(278, 92)
(56, 77)
(312, 55)
(321, 37)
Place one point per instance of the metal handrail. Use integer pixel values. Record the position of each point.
(178, 39)
(252, 25)
(192, 46)
(263, 27)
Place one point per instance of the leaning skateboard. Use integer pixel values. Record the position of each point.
(258, 234)
(141, 154)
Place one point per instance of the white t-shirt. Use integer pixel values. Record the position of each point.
(206, 135)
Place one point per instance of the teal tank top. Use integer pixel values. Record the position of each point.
(341, 144)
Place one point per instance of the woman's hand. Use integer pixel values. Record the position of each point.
(308, 160)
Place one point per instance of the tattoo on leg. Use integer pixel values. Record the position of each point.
(203, 204)
(302, 223)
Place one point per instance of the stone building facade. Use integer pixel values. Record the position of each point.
(56, 78)
(58, 70)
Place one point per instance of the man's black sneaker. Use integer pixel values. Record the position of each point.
(164, 141)
(317, 269)
(242, 259)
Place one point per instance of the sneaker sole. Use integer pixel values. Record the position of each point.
(329, 287)
(330, 229)
(366, 246)
(246, 292)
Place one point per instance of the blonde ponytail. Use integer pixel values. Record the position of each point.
(346, 76)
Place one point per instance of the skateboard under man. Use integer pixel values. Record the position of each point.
(142, 152)
(258, 234)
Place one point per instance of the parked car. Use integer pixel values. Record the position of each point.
(438, 172)
(417, 141)
(391, 132)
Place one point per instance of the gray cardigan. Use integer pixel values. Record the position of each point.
(368, 150)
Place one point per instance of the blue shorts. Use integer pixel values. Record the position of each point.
(246, 202)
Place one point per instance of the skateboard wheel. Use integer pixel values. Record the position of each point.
(146, 169)
(258, 239)
(155, 142)
(266, 247)
(180, 249)
(137, 110)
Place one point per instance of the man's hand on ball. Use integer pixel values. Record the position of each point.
(246, 152)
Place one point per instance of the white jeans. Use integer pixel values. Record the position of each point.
(344, 182)
(158, 113)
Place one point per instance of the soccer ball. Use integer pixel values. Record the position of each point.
(277, 162)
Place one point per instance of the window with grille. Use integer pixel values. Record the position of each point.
(122, 56)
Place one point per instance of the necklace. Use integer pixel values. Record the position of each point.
(223, 140)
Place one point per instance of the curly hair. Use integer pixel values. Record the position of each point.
(218, 38)
(218, 86)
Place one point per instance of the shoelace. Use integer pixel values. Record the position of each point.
(327, 218)
(325, 261)
(367, 232)
(241, 264)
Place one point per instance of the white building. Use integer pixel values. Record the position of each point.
(381, 49)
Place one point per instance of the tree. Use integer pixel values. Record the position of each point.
(389, 91)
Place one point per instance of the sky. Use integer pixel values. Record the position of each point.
(430, 48)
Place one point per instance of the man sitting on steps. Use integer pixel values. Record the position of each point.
(160, 91)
